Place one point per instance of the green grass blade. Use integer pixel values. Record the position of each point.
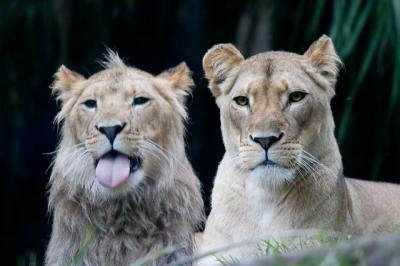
(89, 233)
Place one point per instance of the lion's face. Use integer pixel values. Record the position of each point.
(124, 121)
(274, 108)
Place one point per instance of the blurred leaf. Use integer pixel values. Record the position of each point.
(365, 65)
(296, 25)
(355, 30)
(316, 18)
(337, 17)
(394, 99)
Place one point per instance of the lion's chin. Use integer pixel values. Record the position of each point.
(131, 186)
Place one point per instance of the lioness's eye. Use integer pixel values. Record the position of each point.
(90, 103)
(241, 100)
(297, 96)
(140, 100)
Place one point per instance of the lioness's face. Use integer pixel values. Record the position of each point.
(271, 118)
(272, 111)
(125, 119)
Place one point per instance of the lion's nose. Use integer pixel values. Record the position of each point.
(111, 132)
(266, 141)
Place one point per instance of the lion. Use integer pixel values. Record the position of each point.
(121, 186)
(282, 169)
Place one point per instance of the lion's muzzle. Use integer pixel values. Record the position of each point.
(111, 132)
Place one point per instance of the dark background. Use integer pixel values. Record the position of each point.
(37, 36)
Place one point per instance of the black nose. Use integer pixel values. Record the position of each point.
(266, 142)
(111, 132)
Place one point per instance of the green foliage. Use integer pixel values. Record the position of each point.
(29, 259)
(366, 34)
(325, 249)
(382, 46)
(281, 246)
(275, 247)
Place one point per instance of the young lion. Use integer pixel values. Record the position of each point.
(282, 168)
(121, 185)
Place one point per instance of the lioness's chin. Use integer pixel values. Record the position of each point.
(272, 175)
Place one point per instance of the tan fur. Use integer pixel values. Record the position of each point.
(161, 203)
(305, 189)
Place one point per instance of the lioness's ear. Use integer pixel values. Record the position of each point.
(322, 55)
(181, 79)
(219, 63)
(64, 81)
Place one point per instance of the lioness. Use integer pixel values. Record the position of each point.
(282, 169)
(121, 184)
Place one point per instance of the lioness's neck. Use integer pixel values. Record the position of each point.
(325, 148)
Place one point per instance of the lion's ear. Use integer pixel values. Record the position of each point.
(64, 81)
(180, 77)
(219, 63)
(322, 55)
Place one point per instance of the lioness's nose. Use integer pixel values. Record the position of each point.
(111, 132)
(266, 141)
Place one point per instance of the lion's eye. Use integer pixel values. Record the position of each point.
(296, 96)
(241, 100)
(140, 100)
(90, 103)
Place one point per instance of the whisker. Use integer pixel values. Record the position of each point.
(315, 160)
(309, 169)
(162, 159)
(316, 165)
(168, 155)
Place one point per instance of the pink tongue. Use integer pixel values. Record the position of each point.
(112, 172)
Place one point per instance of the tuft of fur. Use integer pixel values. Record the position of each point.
(96, 226)
(112, 60)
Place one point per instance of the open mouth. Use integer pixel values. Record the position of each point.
(134, 162)
(113, 168)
